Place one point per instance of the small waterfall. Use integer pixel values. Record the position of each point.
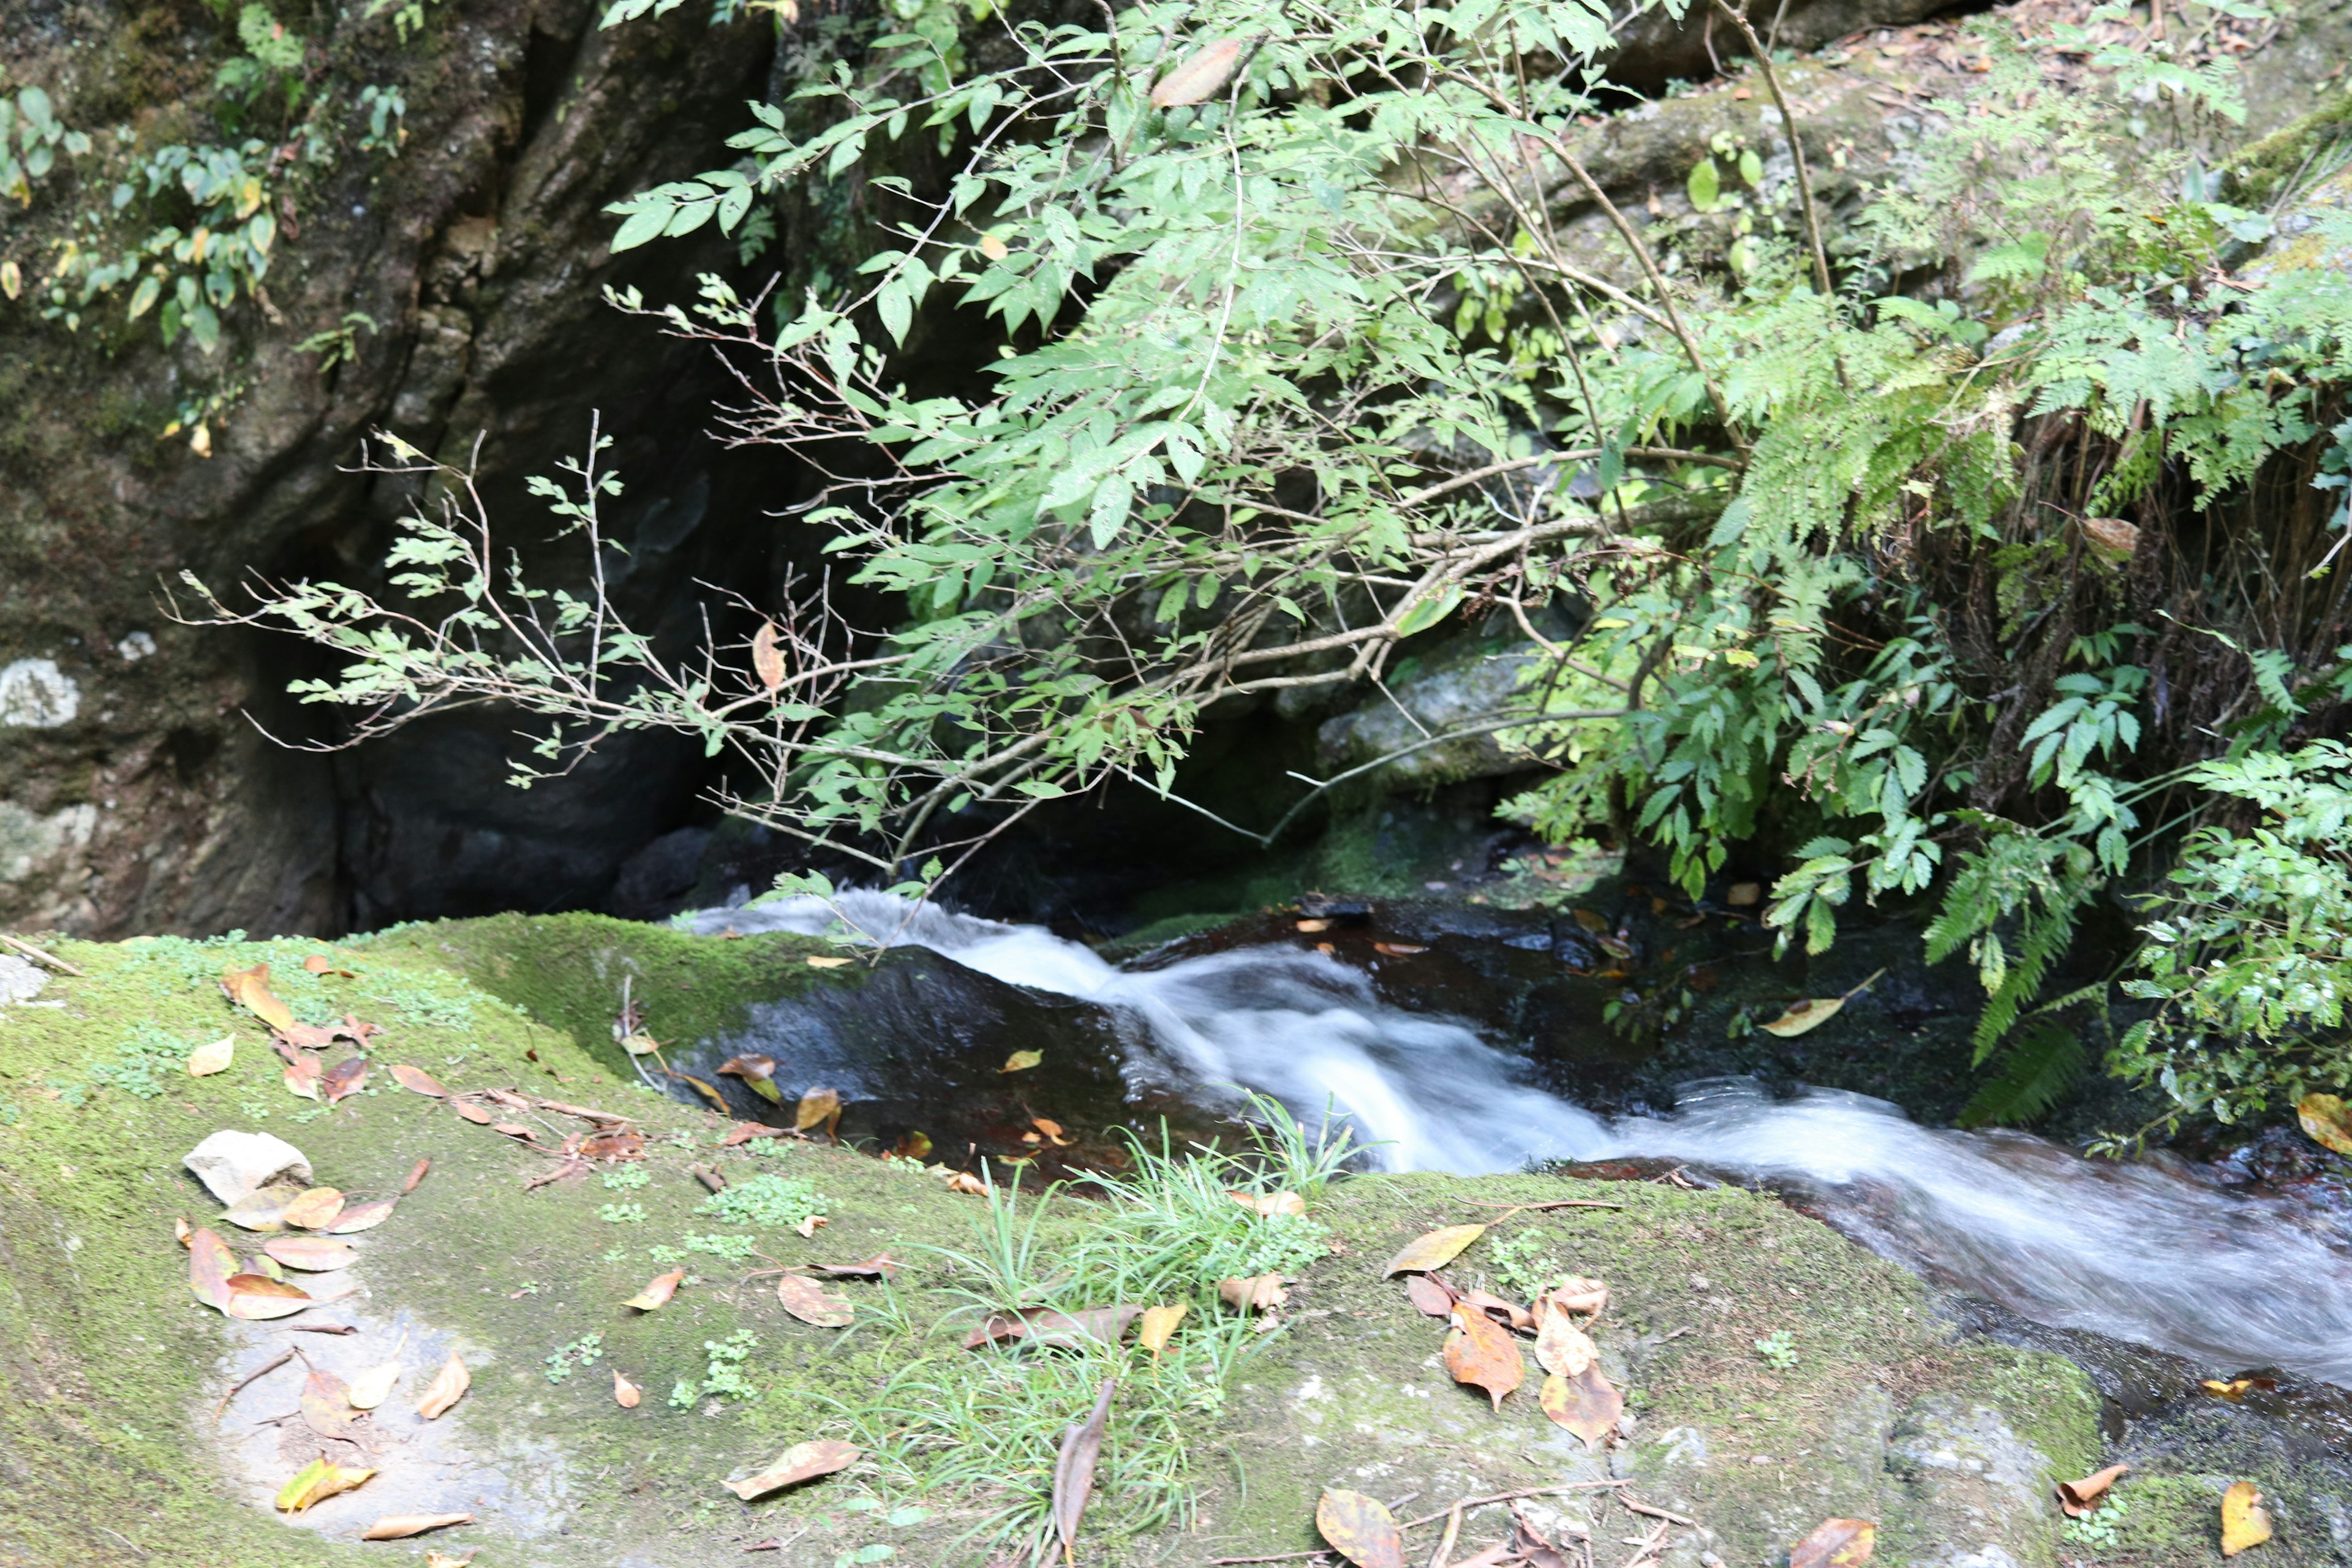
(2127, 1250)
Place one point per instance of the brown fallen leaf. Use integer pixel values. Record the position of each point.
(818, 1107)
(416, 1080)
(1267, 1205)
(416, 1173)
(767, 659)
(744, 1132)
(1434, 1250)
(448, 1387)
(182, 1231)
(703, 1087)
(344, 1079)
(912, 1145)
(1480, 1353)
(1360, 1529)
(965, 1181)
(2326, 1122)
(1836, 1543)
(1510, 1315)
(326, 1407)
(811, 1304)
(1398, 949)
(260, 1211)
(314, 1209)
(1159, 1325)
(1801, 1016)
(1574, 1293)
(554, 1173)
(401, 1526)
(311, 1254)
(257, 1296)
(758, 1073)
(1052, 1326)
(800, 1462)
(249, 989)
(358, 1217)
(1562, 1348)
(658, 1291)
(519, 1132)
(302, 1077)
(1259, 1293)
(2244, 1520)
(1021, 1062)
(2079, 1498)
(622, 1145)
(626, 1395)
(479, 1115)
(318, 1480)
(206, 1060)
(1430, 1294)
(1587, 1404)
(210, 1265)
(1073, 1469)
(881, 1266)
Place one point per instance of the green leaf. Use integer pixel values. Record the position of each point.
(1705, 186)
(1751, 167)
(1428, 612)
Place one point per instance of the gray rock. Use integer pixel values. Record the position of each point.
(1977, 1490)
(235, 1165)
(20, 979)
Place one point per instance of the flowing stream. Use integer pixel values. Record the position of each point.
(2125, 1249)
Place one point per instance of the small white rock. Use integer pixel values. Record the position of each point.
(235, 1165)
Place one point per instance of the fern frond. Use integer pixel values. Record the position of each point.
(2040, 1068)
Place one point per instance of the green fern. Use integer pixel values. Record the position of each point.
(2038, 1070)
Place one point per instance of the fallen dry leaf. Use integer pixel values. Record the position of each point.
(516, 1130)
(345, 1079)
(210, 1264)
(2237, 1388)
(1311, 927)
(1430, 1294)
(623, 1144)
(311, 1254)
(1074, 1468)
(373, 1386)
(1574, 1293)
(417, 1080)
(640, 1044)
(1398, 949)
(965, 1181)
(708, 1090)
(416, 1175)
(1510, 1315)
(263, 1210)
(314, 1209)
(758, 1073)
(912, 1145)
(249, 989)
(1434, 1250)
(479, 1115)
(326, 1407)
(658, 1291)
(1052, 1326)
(624, 1393)
(324, 964)
(1201, 75)
(814, 962)
(302, 1077)
(321, 1478)
(1051, 1130)
(811, 1304)
(182, 1232)
(448, 1387)
(1480, 1353)
(1561, 1347)
(401, 1526)
(253, 1297)
(1836, 1543)
(358, 1217)
(1809, 1013)
(2325, 1120)
(445, 1560)
(1258, 1293)
(767, 659)
(1743, 895)
(2079, 1498)
(1360, 1529)
(206, 1060)
(2244, 1520)
(881, 1266)
(800, 1462)
(1159, 1325)
(818, 1107)
(1021, 1061)
(1587, 1404)
(1267, 1205)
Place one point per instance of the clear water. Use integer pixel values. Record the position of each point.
(2130, 1250)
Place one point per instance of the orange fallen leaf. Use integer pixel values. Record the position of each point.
(624, 1393)
(416, 1175)
(210, 1264)
(965, 1181)
(448, 1387)
(2245, 1522)
(326, 1407)
(800, 1462)
(401, 1526)
(1480, 1353)
(1361, 1529)
(358, 1217)
(758, 1073)
(2079, 1498)
(658, 1291)
(1267, 1205)
(1159, 1325)
(479, 1115)
(302, 1077)
(1510, 1315)
(2326, 1122)
(519, 1132)
(1836, 1543)
(253, 1297)
(707, 1091)
(249, 989)
(445, 1560)
(417, 1080)
(206, 1060)
(311, 1254)
(1051, 1130)
(1259, 1293)
(315, 1209)
(1587, 1404)
(318, 1480)
(811, 1304)
(324, 964)
(182, 1232)
(1434, 1250)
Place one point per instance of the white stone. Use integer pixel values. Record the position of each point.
(135, 646)
(20, 979)
(36, 693)
(235, 1165)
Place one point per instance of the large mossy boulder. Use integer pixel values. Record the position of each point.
(1774, 1375)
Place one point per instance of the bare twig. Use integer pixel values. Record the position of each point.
(29, 951)
(1796, 147)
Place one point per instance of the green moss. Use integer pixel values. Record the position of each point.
(2261, 170)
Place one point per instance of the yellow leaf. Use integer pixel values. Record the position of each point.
(1021, 1062)
(815, 961)
(992, 248)
(1361, 1529)
(320, 1479)
(249, 989)
(1809, 1013)
(2244, 1520)
(1159, 1324)
(1434, 1250)
(206, 1060)
(1836, 1543)
(2325, 1118)
(12, 279)
(817, 1107)
(640, 1045)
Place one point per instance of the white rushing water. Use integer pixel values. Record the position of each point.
(2127, 1249)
